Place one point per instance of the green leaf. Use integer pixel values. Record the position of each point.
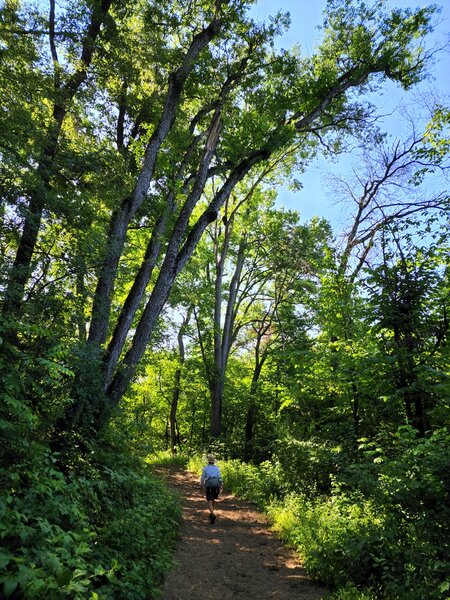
(5, 558)
(9, 587)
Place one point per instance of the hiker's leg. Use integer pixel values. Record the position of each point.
(211, 506)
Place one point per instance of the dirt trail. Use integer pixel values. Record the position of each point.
(238, 557)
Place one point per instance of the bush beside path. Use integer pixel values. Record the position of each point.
(237, 557)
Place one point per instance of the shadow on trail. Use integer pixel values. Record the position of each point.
(238, 557)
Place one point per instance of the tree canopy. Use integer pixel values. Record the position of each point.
(154, 295)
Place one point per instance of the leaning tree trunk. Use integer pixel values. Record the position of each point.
(124, 214)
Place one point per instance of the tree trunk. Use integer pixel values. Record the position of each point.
(260, 359)
(216, 407)
(173, 411)
(177, 383)
(21, 269)
(122, 217)
(132, 302)
(223, 335)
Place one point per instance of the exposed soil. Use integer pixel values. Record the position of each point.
(237, 557)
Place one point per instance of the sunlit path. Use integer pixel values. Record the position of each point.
(237, 557)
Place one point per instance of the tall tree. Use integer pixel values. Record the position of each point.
(67, 77)
(411, 315)
(254, 260)
(174, 438)
(204, 102)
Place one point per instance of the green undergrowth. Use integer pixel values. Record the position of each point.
(165, 458)
(380, 533)
(103, 529)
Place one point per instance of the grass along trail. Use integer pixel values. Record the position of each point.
(238, 557)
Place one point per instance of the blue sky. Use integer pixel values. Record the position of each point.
(315, 198)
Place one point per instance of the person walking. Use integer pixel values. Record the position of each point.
(211, 481)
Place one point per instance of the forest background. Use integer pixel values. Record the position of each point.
(156, 296)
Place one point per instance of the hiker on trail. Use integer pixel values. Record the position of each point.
(211, 479)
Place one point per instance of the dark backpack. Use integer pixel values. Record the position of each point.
(213, 481)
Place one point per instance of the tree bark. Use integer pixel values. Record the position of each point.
(177, 383)
(252, 410)
(122, 217)
(223, 335)
(169, 270)
(145, 271)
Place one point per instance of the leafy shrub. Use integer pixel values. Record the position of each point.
(196, 463)
(351, 592)
(255, 483)
(308, 465)
(104, 531)
(29, 386)
(392, 534)
(336, 537)
(167, 459)
(141, 527)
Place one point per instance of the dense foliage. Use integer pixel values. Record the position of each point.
(104, 529)
(154, 296)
